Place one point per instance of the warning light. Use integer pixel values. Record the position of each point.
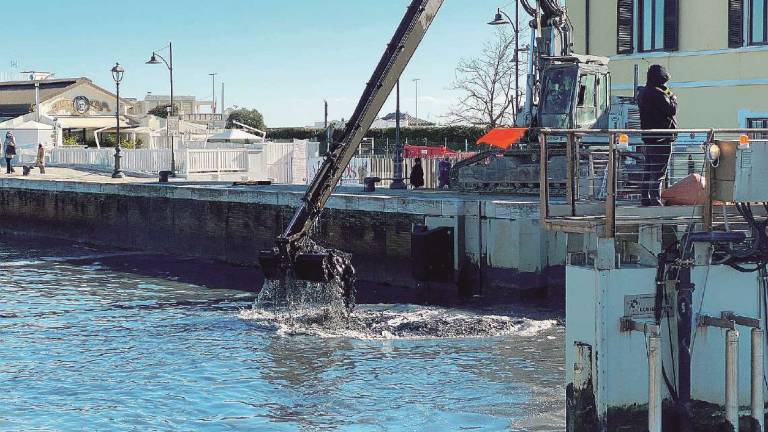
(624, 139)
(744, 141)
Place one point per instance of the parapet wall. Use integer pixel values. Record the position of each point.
(500, 239)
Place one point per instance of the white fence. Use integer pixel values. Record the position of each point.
(216, 160)
(279, 162)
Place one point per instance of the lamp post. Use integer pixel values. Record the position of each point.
(502, 18)
(117, 75)
(397, 159)
(416, 80)
(213, 86)
(169, 65)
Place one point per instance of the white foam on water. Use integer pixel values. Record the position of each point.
(394, 322)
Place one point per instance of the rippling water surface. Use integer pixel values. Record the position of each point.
(97, 340)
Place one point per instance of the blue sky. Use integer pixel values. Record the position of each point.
(281, 57)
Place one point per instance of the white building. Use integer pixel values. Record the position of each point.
(186, 104)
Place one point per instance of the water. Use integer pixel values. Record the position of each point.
(98, 340)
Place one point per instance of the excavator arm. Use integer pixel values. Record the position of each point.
(286, 258)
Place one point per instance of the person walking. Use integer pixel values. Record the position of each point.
(9, 151)
(658, 108)
(417, 174)
(444, 173)
(40, 159)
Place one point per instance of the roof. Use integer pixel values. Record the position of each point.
(93, 122)
(236, 135)
(33, 125)
(406, 117)
(18, 97)
(22, 93)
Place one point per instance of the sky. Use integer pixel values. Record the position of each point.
(280, 57)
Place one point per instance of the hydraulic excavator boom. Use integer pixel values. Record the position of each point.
(292, 256)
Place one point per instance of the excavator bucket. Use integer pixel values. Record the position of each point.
(313, 267)
(272, 264)
(503, 138)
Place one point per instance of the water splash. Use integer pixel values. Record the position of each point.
(394, 322)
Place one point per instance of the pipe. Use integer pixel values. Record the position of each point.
(731, 378)
(684, 323)
(654, 383)
(758, 410)
(636, 82)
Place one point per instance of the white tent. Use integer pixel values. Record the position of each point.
(28, 135)
(235, 136)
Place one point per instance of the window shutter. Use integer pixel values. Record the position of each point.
(671, 24)
(735, 23)
(625, 26)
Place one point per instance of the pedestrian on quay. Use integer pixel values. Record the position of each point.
(40, 159)
(444, 173)
(9, 151)
(417, 174)
(658, 107)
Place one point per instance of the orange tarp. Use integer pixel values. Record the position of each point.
(691, 190)
(503, 137)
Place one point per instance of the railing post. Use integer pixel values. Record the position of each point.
(569, 180)
(732, 378)
(707, 210)
(543, 180)
(758, 402)
(610, 201)
(654, 383)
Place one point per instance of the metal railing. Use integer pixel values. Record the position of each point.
(606, 170)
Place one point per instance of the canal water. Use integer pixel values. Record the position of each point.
(93, 339)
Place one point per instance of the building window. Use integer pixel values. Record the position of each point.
(758, 123)
(651, 28)
(647, 25)
(758, 22)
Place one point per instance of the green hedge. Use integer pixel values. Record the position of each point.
(435, 136)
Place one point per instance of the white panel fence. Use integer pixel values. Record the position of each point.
(279, 162)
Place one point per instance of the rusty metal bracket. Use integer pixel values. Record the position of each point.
(629, 325)
(741, 320)
(710, 321)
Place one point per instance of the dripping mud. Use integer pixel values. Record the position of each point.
(292, 308)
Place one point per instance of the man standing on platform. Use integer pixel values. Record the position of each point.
(658, 107)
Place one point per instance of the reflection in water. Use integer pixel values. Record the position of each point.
(89, 343)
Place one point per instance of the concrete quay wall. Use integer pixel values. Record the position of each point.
(498, 241)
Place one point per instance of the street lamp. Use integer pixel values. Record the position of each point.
(213, 84)
(501, 18)
(169, 64)
(117, 75)
(397, 180)
(416, 80)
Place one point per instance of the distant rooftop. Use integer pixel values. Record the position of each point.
(405, 117)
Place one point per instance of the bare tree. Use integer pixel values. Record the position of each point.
(487, 84)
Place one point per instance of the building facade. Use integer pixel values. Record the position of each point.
(715, 50)
(75, 106)
(187, 104)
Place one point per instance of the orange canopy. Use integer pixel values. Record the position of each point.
(503, 138)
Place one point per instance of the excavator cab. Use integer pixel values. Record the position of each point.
(575, 93)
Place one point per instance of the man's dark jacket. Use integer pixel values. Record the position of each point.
(657, 105)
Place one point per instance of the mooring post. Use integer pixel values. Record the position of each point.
(653, 341)
(654, 383)
(732, 378)
(758, 403)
